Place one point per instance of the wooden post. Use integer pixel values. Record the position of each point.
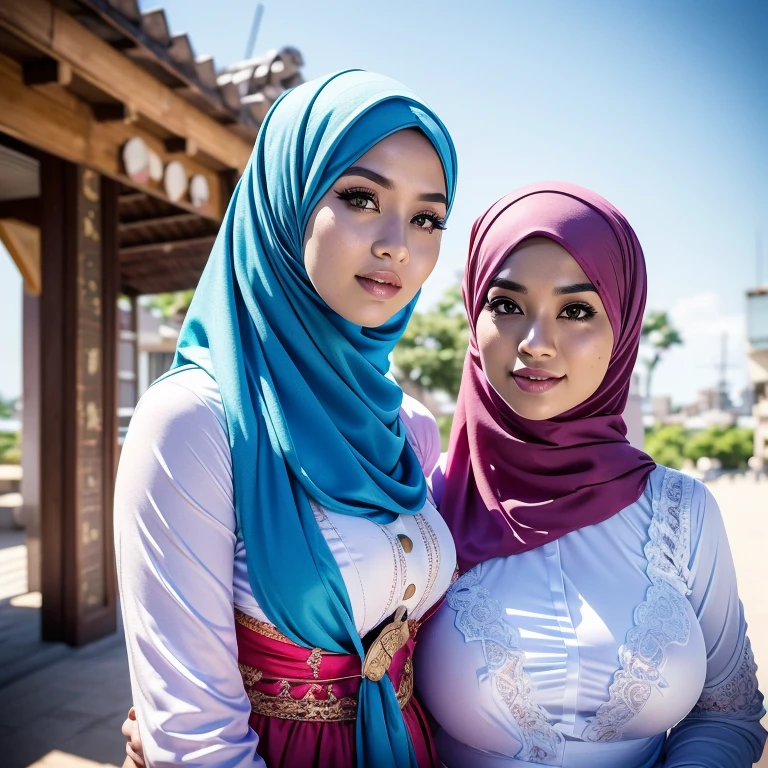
(30, 436)
(79, 226)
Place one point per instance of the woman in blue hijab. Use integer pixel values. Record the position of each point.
(276, 547)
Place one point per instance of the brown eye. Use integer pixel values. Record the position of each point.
(429, 222)
(577, 312)
(503, 306)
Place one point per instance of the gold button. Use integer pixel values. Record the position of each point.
(410, 591)
(405, 543)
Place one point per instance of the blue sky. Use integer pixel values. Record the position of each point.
(660, 106)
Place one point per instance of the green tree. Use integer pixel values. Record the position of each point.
(10, 447)
(172, 305)
(732, 446)
(666, 445)
(432, 349)
(659, 335)
(670, 445)
(7, 407)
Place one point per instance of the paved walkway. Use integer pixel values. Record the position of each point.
(67, 712)
(60, 707)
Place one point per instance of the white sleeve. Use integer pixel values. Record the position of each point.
(723, 730)
(175, 543)
(422, 431)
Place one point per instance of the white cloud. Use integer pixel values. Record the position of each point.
(702, 320)
(703, 315)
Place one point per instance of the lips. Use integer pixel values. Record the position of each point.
(535, 381)
(380, 284)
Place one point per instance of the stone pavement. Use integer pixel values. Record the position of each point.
(744, 505)
(67, 712)
(60, 707)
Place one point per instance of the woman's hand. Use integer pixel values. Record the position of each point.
(133, 749)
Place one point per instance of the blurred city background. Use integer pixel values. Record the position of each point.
(123, 129)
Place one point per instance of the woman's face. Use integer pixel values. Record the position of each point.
(374, 237)
(544, 337)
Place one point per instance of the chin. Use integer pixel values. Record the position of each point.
(531, 411)
(370, 319)
(377, 315)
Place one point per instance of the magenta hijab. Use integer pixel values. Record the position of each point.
(512, 484)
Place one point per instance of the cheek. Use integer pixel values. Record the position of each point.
(423, 252)
(429, 252)
(495, 348)
(328, 247)
(592, 354)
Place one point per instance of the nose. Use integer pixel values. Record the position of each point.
(392, 242)
(538, 342)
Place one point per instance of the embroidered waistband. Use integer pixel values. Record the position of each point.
(313, 698)
(319, 703)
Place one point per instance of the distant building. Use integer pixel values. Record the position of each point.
(661, 407)
(757, 351)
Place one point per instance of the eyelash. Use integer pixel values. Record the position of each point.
(361, 193)
(493, 306)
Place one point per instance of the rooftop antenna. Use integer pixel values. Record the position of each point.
(722, 367)
(257, 16)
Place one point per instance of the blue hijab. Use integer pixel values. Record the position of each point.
(310, 412)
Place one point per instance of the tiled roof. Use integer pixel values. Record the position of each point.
(239, 94)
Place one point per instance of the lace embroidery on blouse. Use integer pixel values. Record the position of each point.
(658, 621)
(479, 618)
(737, 694)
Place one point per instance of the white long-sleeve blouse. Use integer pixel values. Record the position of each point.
(588, 650)
(182, 570)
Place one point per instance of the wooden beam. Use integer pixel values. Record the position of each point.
(114, 113)
(145, 42)
(60, 36)
(178, 145)
(22, 241)
(131, 197)
(78, 336)
(110, 283)
(56, 335)
(25, 209)
(130, 252)
(57, 123)
(157, 221)
(47, 71)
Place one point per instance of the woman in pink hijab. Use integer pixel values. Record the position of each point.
(596, 621)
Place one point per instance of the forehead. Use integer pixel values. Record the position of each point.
(406, 156)
(406, 140)
(541, 260)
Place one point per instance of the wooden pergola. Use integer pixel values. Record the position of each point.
(119, 150)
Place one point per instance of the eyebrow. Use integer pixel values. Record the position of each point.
(510, 285)
(383, 181)
(576, 288)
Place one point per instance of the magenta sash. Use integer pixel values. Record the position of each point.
(304, 701)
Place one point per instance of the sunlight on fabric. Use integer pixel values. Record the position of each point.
(57, 759)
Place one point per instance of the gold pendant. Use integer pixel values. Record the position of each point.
(391, 639)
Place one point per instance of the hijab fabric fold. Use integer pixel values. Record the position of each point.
(310, 412)
(513, 484)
